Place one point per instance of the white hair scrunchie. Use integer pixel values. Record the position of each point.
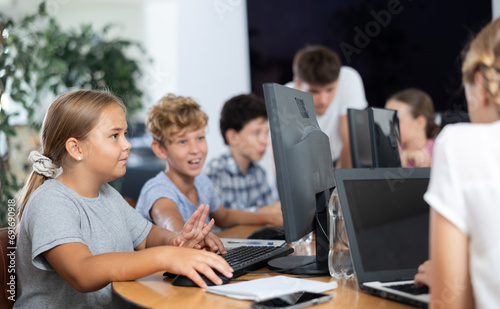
(43, 165)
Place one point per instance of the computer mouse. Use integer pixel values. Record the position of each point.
(268, 232)
(169, 275)
(181, 280)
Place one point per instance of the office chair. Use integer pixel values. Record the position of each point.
(131, 183)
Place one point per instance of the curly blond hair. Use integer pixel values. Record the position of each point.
(173, 114)
(483, 55)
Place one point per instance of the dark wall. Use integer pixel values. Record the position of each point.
(393, 44)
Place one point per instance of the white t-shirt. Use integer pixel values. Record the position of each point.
(350, 94)
(465, 189)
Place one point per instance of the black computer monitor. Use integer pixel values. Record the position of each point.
(359, 138)
(304, 173)
(374, 137)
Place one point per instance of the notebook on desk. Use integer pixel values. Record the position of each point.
(387, 224)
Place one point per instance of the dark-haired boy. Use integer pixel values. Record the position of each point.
(240, 182)
(319, 71)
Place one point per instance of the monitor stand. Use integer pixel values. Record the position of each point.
(299, 265)
(310, 264)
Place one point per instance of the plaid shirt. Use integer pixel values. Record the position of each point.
(237, 190)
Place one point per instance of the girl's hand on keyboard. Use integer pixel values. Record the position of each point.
(423, 275)
(213, 243)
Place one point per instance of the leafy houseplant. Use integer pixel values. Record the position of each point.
(39, 58)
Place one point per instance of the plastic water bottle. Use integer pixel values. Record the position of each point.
(339, 256)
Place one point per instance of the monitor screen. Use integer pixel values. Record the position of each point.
(391, 233)
(359, 137)
(386, 219)
(304, 170)
(385, 137)
(374, 137)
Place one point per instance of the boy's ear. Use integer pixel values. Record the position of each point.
(158, 150)
(296, 82)
(73, 148)
(232, 136)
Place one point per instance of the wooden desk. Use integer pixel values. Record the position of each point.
(155, 291)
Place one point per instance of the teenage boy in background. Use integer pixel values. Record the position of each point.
(240, 182)
(319, 71)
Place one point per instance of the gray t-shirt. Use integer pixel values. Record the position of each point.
(56, 215)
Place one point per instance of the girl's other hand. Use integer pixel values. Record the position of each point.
(196, 233)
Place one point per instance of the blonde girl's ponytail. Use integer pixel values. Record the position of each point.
(483, 55)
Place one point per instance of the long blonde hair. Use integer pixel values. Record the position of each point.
(73, 114)
(483, 55)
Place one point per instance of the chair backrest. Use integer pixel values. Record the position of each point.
(131, 183)
(7, 258)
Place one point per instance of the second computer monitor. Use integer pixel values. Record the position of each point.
(375, 137)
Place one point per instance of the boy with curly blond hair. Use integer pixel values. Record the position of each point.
(177, 125)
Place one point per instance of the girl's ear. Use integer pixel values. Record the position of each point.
(422, 121)
(73, 148)
(480, 89)
(159, 150)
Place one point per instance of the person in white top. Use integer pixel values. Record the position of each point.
(463, 271)
(319, 71)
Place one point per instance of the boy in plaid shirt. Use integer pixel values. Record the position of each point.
(240, 182)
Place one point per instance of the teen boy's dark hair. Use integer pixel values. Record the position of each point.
(316, 65)
(240, 110)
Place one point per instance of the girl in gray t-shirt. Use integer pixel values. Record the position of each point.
(76, 233)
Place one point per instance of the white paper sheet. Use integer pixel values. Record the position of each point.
(259, 289)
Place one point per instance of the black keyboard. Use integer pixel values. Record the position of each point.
(243, 260)
(247, 258)
(410, 288)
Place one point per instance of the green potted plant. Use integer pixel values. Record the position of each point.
(38, 57)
